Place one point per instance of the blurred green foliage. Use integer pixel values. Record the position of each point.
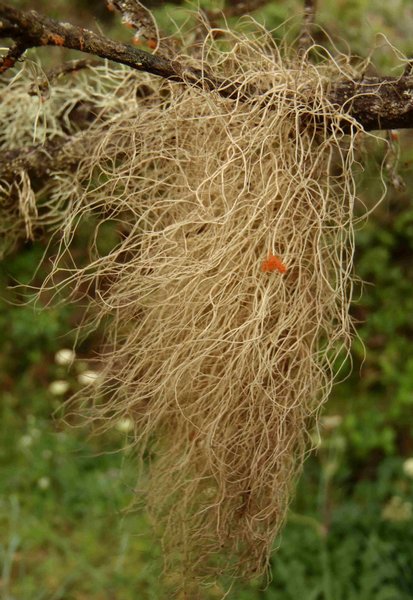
(65, 532)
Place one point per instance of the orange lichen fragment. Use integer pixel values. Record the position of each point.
(7, 63)
(273, 263)
(110, 6)
(56, 39)
(152, 44)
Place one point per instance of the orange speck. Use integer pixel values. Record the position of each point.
(273, 263)
(56, 39)
(136, 40)
(7, 63)
(110, 6)
(152, 43)
(394, 135)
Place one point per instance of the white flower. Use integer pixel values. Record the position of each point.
(64, 357)
(408, 467)
(88, 377)
(26, 441)
(124, 425)
(43, 483)
(59, 387)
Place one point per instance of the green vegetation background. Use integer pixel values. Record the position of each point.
(65, 533)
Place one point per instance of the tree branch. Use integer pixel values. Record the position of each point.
(29, 29)
(61, 152)
(38, 160)
(377, 103)
(305, 39)
(9, 60)
(374, 102)
(72, 66)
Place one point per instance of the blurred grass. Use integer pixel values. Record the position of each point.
(65, 532)
(63, 493)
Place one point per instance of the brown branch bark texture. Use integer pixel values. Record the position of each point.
(376, 103)
(29, 29)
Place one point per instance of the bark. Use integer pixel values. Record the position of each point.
(376, 103)
(29, 29)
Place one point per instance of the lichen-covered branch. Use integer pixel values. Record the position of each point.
(39, 160)
(29, 29)
(376, 103)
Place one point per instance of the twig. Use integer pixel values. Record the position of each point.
(9, 60)
(38, 160)
(32, 30)
(305, 40)
(61, 151)
(393, 160)
(66, 68)
(136, 16)
(376, 103)
(33, 158)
